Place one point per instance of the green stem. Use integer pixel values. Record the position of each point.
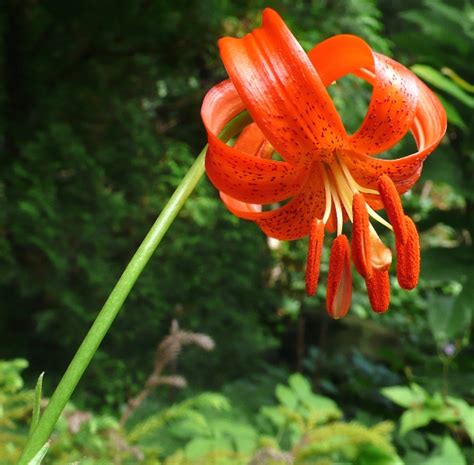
(117, 297)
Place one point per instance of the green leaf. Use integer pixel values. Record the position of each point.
(286, 396)
(37, 403)
(448, 453)
(300, 386)
(434, 77)
(403, 396)
(199, 447)
(463, 309)
(38, 458)
(413, 419)
(466, 414)
(457, 79)
(440, 312)
(452, 113)
(443, 263)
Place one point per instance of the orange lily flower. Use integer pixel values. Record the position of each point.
(330, 176)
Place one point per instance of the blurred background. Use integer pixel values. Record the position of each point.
(99, 123)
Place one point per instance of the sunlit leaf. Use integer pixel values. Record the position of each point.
(435, 78)
(404, 396)
(413, 419)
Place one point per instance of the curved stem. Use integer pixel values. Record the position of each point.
(117, 297)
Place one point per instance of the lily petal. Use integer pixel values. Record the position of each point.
(293, 220)
(252, 141)
(394, 97)
(428, 129)
(283, 92)
(245, 177)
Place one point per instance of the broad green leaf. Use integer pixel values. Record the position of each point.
(443, 263)
(300, 386)
(318, 402)
(452, 113)
(466, 414)
(199, 447)
(286, 396)
(467, 418)
(440, 312)
(446, 414)
(413, 419)
(435, 78)
(274, 414)
(458, 79)
(463, 309)
(448, 453)
(403, 396)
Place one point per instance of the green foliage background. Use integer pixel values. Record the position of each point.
(100, 122)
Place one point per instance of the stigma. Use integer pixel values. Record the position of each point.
(346, 200)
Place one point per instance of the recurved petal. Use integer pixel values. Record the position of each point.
(241, 175)
(252, 141)
(428, 129)
(283, 92)
(293, 220)
(394, 97)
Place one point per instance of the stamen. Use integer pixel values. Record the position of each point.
(337, 207)
(343, 189)
(361, 247)
(408, 257)
(378, 218)
(355, 186)
(378, 289)
(327, 192)
(313, 258)
(339, 285)
(393, 207)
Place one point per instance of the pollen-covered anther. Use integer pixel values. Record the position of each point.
(313, 259)
(408, 257)
(378, 289)
(339, 285)
(361, 247)
(393, 207)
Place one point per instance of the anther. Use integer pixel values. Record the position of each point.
(393, 207)
(378, 290)
(408, 257)
(313, 258)
(339, 285)
(361, 248)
